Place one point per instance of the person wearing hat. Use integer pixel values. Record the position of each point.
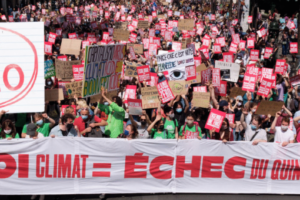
(31, 131)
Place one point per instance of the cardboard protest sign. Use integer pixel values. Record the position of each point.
(110, 59)
(200, 89)
(63, 108)
(78, 72)
(143, 73)
(266, 107)
(229, 71)
(135, 106)
(216, 78)
(138, 48)
(70, 46)
(54, 95)
(185, 42)
(222, 89)
(201, 99)
(143, 24)
(109, 95)
(280, 66)
(236, 91)
(74, 88)
(150, 97)
(249, 82)
(121, 25)
(175, 63)
(178, 87)
(165, 91)
(120, 34)
(295, 80)
(215, 120)
(186, 24)
(131, 70)
(64, 69)
(49, 69)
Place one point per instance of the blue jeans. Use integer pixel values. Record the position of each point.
(285, 49)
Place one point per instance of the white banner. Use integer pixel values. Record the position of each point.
(229, 71)
(94, 166)
(175, 63)
(22, 67)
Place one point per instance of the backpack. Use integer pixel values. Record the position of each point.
(196, 126)
(96, 131)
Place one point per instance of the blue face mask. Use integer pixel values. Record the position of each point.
(179, 110)
(106, 103)
(241, 76)
(40, 122)
(84, 117)
(253, 127)
(126, 132)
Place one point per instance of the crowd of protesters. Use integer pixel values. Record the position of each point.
(177, 119)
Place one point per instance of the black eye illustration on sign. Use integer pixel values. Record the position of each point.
(177, 74)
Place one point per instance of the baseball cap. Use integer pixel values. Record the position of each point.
(223, 103)
(31, 129)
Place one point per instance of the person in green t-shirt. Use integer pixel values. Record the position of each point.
(43, 128)
(8, 130)
(156, 128)
(170, 123)
(188, 131)
(116, 115)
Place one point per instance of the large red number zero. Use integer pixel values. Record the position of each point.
(28, 87)
(5, 74)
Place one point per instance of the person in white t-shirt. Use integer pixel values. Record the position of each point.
(282, 134)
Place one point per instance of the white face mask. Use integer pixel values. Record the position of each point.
(7, 131)
(171, 115)
(284, 128)
(253, 110)
(160, 74)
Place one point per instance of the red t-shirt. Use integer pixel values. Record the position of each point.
(81, 124)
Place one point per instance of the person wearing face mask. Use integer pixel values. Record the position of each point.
(253, 108)
(8, 130)
(66, 128)
(224, 133)
(142, 125)
(180, 110)
(253, 131)
(116, 115)
(191, 129)
(161, 77)
(283, 134)
(86, 122)
(130, 132)
(156, 128)
(170, 123)
(43, 128)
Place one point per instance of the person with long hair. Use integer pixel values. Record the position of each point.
(130, 132)
(8, 130)
(224, 133)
